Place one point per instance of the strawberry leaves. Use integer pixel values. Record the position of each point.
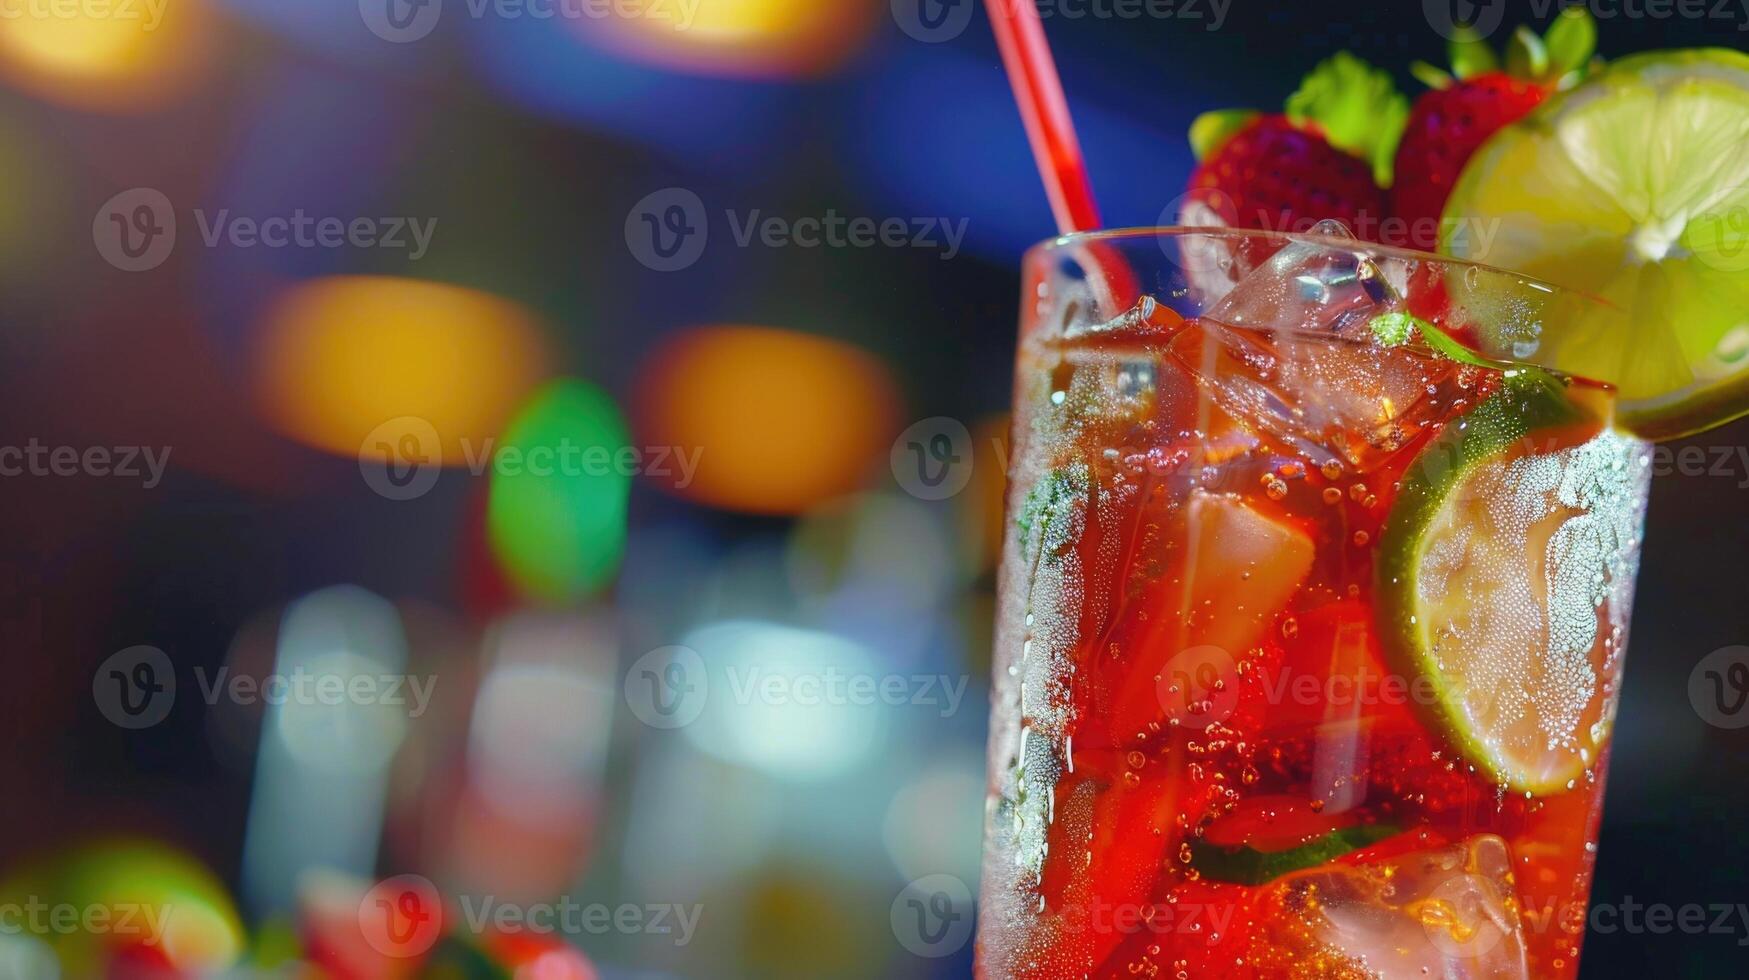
(1526, 55)
(1557, 59)
(1356, 106)
(1470, 55)
(1211, 129)
(1572, 42)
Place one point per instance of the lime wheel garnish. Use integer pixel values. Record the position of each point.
(1633, 187)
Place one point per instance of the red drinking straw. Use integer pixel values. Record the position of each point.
(1045, 111)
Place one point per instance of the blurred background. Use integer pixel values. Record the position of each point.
(504, 361)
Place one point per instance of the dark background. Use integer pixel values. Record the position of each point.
(530, 148)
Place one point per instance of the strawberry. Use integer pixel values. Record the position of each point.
(1326, 156)
(1462, 109)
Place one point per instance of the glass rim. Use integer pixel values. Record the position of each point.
(1138, 233)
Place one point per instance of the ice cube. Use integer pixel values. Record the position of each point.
(1326, 398)
(1449, 912)
(1148, 320)
(1312, 284)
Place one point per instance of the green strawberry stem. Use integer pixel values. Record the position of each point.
(1526, 55)
(1211, 129)
(1558, 59)
(1470, 55)
(1357, 108)
(1571, 42)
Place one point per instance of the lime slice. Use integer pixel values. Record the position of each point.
(1503, 575)
(1633, 187)
(1246, 865)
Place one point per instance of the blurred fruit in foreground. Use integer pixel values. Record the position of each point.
(139, 903)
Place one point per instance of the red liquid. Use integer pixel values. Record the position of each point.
(1192, 698)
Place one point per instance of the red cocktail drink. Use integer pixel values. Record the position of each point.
(1311, 620)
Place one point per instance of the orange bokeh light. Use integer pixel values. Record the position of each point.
(339, 358)
(740, 37)
(104, 54)
(779, 421)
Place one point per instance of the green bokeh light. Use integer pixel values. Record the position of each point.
(556, 515)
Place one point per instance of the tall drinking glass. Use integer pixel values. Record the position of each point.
(1311, 617)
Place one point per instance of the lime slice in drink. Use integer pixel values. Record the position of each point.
(1266, 837)
(1502, 580)
(1633, 187)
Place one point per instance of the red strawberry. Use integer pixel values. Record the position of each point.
(1277, 176)
(1449, 123)
(1322, 158)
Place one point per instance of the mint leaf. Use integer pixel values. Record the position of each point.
(1393, 329)
(1048, 523)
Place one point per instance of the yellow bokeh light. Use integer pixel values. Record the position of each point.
(103, 53)
(776, 421)
(760, 37)
(337, 359)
